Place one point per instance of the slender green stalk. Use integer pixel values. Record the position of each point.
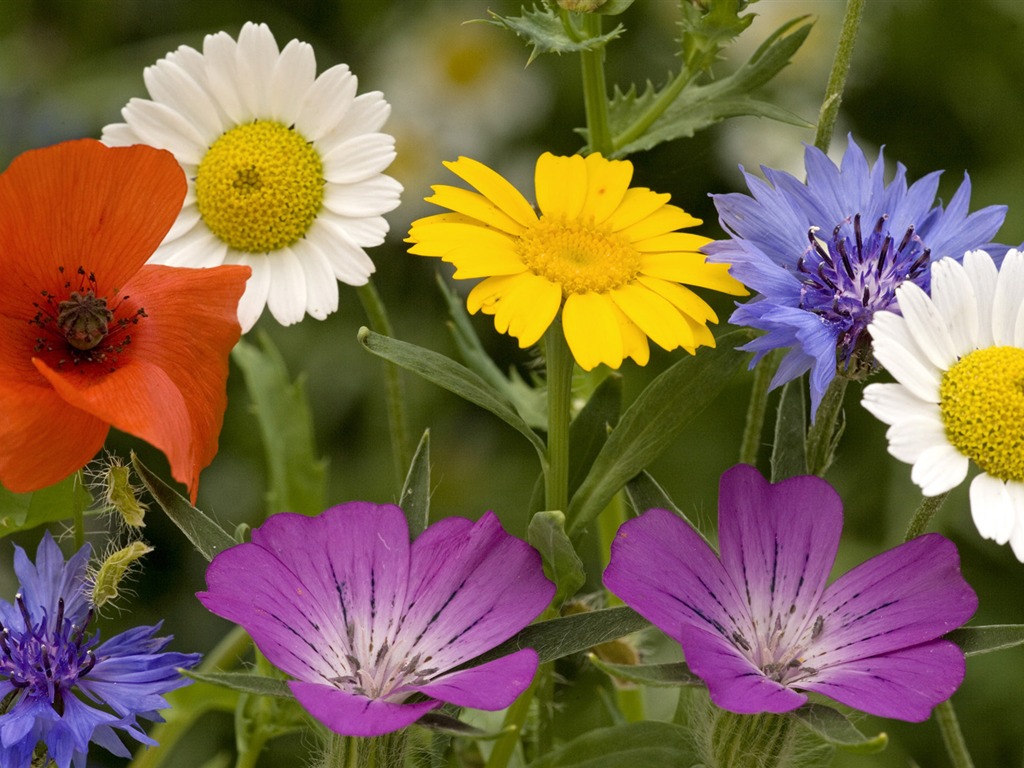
(750, 444)
(559, 372)
(595, 91)
(837, 77)
(923, 515)
(78, 510)
(663, 101)
(249, 752)
(953, 737)
(821, 435)
(398, 425)
(515, 719)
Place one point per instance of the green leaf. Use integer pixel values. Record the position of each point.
(995, 637)
(297, 476)
(442, 723)
(834, 727)
(614, 7)
(206, 535)
(22, 511)
(644, 493)
(562, 565)
(789, 452)
(543, 29)
(245, 682)
(650, 744)
(653, 422)
(589, 430)
(698, 106)
(448, 374)
(566, 635)
(707, 27)
(653, 675)
(415, 498)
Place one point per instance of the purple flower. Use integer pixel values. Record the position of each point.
(758, 622)
(364, 620)
(826, 255)
(54, 672)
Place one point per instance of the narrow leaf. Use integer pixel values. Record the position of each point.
(206, 535)
(651, 744)
(789, 452)
(653, 422)
(415, 499)
(995, 637)
(448, 374)
(297, 476)
(833, 726)
(245, 682)
(653, 675)
(22, 511)
(644, 493)
(562, 565)
(442, 723)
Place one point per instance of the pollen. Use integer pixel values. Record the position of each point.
(982, 403)
(260, 187)
(578, 256)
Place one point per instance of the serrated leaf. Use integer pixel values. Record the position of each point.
(986, 639)
(296, 475)
(789, 451)
(835, 727)
(653, 675)
(22, 511)
(448, 374)
(206, 536)
(653, 422)
(546, 533)
(245, 682)
(543, 29)
(650, 744)
(415, 498)
(589, 430)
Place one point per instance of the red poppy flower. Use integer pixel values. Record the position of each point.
(92, 337)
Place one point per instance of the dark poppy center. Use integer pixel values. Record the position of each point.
(84, 319)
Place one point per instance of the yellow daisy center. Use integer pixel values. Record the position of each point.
(578, 257)
(260, 186)
(982, 403)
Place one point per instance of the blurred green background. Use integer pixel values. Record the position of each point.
(937, 82)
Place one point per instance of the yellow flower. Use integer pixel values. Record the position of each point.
(607, 255)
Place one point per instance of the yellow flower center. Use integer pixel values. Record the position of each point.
(260, 186)
(982, 402)
(578, 257)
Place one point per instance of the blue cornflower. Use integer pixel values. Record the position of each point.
(53, 671)
(827, 254)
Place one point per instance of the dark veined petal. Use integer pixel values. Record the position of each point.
(353, 715)
(492, 685)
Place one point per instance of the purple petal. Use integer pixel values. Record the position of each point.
(668, 574)
(904, 684)
(352, 715)
(909, 595)
(491, 686)
(778, 544)
(473, 587)
(733, 681)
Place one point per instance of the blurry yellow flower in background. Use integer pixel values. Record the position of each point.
(607, 255)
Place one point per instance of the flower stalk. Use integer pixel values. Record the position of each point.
(837, 76)
(595, 90)
(559, 378)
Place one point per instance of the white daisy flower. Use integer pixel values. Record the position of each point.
(285, 169)
(958, 358)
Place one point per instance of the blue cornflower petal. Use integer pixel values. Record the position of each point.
(826, 254)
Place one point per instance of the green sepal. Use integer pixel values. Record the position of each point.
(442, 723)
(543, 29)
(672, 675)
(566, 635)
(589, 430)
(450, 375)
(644, 493)
(415, 498)
(614, 7)
(698, 106)
(837, 729)
(297, 476)
(22, 511)
(707, 28)
(974, 641)
(651, 744)
(245, 682)
(206, 536)
(653, 422)
(789, 451)
(546, 533)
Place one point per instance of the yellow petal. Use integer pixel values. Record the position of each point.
(634, 341)
(561, 185)
(475, 206)
(527, 309)
(495, 188)
(637, 204)
(485, 294)
(607, 182)
(592, 330)
(691, 268)
(666, 219)
(437, 238)
(471, 262)
(688, 302)
(672, 242)
(655, 316)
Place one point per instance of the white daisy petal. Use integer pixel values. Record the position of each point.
(899, 353)
(162, 127)
(187, 219)
(360, 158)
(254, 300)
(326, 102)
(220, 50)
(1007, 300)
(982, 272)
(291, 80)
(256, 54)
(368, 112)
(119, 135)
(993, 508)
(287, 300)
(954, 299)
(363, 232)
(926, 325)
(891, 403)
(1017, 536)
(910, 438)
(321, 285)
(168, 83)
(939, 469)
(371, 197)
(198, 248)
(350, 263)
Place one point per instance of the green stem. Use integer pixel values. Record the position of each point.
(559, 372)
(398, 425)
(512, 727)
(646, 119)
(78, 510)
(923, 515)
(953, 737)
(249, 753)
(595, 90)
(837, 77)
(821, 435)
(750, 444)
